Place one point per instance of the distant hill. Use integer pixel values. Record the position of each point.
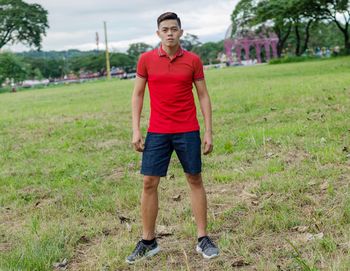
(57, 54)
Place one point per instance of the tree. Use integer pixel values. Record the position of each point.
(96, 62)
(121, 60)
(338, 11)
(275, 13)
(209, 51)
(91, 62)
(11, 67)
(303, 14)
(45, 68)
(189, 41)
(22, 22)
(136, 49)
(243, 16)
(324, 34)
(263, 14)
(280, 16)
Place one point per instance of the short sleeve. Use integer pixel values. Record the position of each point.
(198, 73)
(141, 69)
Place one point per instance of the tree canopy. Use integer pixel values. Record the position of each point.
(338, 12)
(22, 22)
(190, 41)
(135, 49)
(294, 17)
(11, 67)
(209, 51)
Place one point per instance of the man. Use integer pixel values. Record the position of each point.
(170, 72)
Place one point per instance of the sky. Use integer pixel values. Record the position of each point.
(74, 23)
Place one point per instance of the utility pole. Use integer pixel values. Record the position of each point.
(108, 67)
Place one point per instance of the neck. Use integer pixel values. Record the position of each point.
(171, 50)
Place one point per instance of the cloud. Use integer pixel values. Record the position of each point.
(73, 24)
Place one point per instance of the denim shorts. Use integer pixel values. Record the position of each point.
(159, 148)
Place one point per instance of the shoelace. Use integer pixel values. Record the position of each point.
(207, 242)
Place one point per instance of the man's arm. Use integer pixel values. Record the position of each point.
(137, 103)
(205, 104)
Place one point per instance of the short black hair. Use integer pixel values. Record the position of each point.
(168, 16)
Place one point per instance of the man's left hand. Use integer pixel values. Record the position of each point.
(208, 143)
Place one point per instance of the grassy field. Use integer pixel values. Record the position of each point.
(277, 181)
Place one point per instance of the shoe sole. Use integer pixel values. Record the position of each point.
(147, 255)
(199, 250)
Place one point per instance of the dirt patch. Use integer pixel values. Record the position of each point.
(295, 157)
(85, 255)
(118, 173)
(34, 192)
(4, 245)
(109, 144)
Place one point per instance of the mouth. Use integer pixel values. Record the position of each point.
(170, 39)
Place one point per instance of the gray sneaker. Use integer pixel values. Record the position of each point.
(142, 251)
(207, 248)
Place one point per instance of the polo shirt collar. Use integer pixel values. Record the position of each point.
(161, 52)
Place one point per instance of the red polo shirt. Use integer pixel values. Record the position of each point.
(170, 82)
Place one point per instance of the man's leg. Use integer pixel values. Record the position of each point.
(148, 246)
(149, 206)
(155, 160)
(198, 202)
(205, 245)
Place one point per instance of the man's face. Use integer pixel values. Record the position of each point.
(169, 33)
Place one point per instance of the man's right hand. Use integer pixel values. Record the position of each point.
(137, 141)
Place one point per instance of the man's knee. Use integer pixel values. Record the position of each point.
(150, 183)
(194, 179)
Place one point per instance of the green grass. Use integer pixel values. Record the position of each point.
(281, 160)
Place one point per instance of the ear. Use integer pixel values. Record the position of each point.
(158, 33)
(181, 32)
